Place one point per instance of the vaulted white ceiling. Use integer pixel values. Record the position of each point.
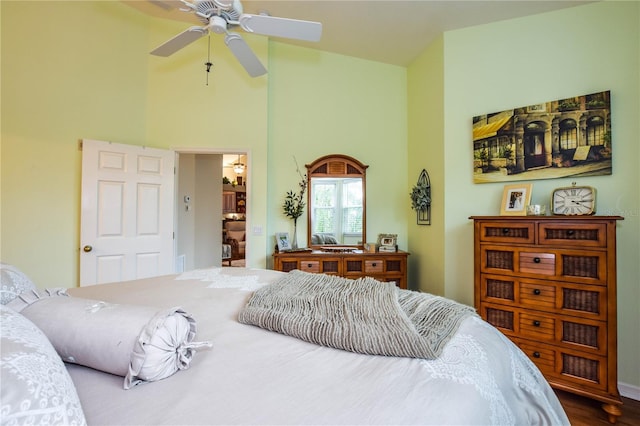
(388, 31)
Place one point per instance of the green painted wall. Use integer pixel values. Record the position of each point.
(66, 75)
(520, 62)
(426, 151)
(321, 104)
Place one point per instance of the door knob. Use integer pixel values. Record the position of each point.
(87, 249)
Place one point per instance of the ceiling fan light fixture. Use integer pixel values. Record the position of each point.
(217, 25)
(238, 168)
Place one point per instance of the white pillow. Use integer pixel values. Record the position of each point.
(12, 283)
(137, 342)
(36, 388)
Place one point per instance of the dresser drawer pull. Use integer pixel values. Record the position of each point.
(536, 354)
(374, 264)
(536, 291)
(505, 230)
(570, 232)
(536, 260)
(309, 265)
(536, 323)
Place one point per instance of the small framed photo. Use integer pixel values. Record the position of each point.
(515, 199)
(282, 238)
(387, 239)
(387, 242)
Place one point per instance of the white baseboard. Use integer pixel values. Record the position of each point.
(629, 391)
(180, 261)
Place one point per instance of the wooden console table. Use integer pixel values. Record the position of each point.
(389, 267)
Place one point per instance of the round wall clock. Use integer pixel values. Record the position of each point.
(573, 200)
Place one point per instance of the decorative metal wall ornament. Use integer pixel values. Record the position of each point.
(421, 199)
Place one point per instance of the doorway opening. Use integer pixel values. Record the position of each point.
(203, 208)
(234, 209)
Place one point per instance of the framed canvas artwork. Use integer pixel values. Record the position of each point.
(556, 139)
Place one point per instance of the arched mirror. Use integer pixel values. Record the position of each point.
(336, 202)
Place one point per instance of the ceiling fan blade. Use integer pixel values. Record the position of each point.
(244, 55)
(281, 27)
(181, 40)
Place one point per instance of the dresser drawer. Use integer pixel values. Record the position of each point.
(584, 266)
(565, 364)
(538, 263)
(538, 295)
(543, 356)
(375, 266)
(515, 322)
(519, 292)
(507, 232)
(535, 326)
(287, 265)
(563, 234)
(581, 334)
(583, 301)
(312, 266)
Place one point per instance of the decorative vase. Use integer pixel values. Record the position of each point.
(294, 241)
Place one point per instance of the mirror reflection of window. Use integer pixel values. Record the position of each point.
(352, 207)
(337, 208)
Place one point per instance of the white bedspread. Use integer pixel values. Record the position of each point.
(253, 376)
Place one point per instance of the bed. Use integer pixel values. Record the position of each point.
(251, 375)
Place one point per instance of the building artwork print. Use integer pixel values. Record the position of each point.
(567, 137)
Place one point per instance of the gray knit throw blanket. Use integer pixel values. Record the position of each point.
(364, 315)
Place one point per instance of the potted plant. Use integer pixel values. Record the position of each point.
(293, 206)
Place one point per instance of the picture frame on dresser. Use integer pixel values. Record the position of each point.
(282, 239)
(515, 199)
(387, 242)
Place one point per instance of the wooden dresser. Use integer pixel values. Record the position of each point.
(549, 284)
(381, 266)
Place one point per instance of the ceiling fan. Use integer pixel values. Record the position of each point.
(221, 15)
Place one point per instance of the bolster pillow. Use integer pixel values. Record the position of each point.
(137, 342)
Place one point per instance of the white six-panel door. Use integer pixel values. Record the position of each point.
(127, 212)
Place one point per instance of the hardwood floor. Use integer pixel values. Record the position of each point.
(587, 412)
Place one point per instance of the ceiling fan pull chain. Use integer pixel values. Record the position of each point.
(208, 64)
